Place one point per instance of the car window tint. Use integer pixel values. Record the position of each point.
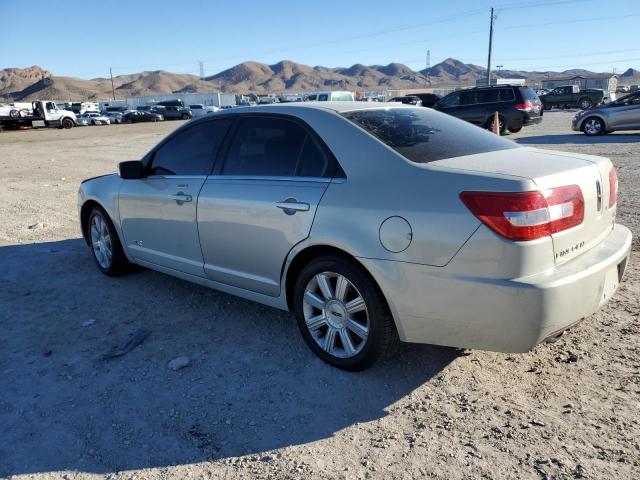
(452, 100)
(313, 162)
(468, 98)
(192, 151)
(265, 146)
(528, 94)
(323, 97)
(422, 135)
(486, 96)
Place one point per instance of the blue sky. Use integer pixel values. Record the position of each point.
(84, 37)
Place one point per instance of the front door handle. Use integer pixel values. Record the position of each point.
(291, 206)
(181, 197)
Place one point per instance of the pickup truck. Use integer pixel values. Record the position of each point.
(572, 96)
(43, 114)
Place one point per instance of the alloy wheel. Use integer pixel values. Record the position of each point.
(336, 315)
(592, 127)
(101, 241)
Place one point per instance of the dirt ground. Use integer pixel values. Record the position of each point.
(254, 401)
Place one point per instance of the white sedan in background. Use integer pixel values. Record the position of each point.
(201, 110)
(93, 118)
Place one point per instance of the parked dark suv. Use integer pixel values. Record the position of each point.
(516, 106)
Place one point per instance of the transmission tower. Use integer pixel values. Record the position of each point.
(201, 65)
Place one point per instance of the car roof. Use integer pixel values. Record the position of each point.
(337, 107)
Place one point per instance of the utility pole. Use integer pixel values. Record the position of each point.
(201, 65)
(428, 66)
(493, 17)
(113, 90)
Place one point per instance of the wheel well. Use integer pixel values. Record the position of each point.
(85, 211)
(305, 256)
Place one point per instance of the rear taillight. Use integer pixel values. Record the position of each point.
(527, 106)
(527, 215)
(613, 187)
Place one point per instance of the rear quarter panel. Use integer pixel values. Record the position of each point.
(380, 184)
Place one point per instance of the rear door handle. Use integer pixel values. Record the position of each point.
(291, 206)
(181, 197)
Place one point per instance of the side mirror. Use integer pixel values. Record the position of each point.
(130, 170)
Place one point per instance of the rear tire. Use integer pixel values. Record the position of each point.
(515, 129)
(593, 126)
(344, 318)
(585, 103)
(105, 244)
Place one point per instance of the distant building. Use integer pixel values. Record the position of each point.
(481, 82)
(602, 81)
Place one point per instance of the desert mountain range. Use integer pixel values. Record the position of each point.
(24, 84)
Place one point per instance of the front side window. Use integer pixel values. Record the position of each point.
(274, 147)
(422, 135)
(323, 97)
(192, 151)
(452, 100)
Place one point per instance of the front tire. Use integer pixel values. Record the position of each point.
(342, 314)
(593, 126)
(105, 244)
(515, 129)
(67, 123)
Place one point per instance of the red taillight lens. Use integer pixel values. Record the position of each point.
(527, 215)
(613, 187)
(525, 107)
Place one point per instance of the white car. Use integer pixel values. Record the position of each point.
(9, 111)
(372, 222)
(201, 110)
(95, 118)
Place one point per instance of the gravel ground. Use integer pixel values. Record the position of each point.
(253, 401)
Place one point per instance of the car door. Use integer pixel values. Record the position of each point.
(261, 200)
(158, 212)
(449, 104)
(627, 115)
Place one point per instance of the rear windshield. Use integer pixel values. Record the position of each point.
(423, 135)
(528, 94)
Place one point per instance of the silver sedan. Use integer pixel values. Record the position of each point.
(622, 114)
(373, 223)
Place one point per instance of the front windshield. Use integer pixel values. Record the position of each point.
(632, 98)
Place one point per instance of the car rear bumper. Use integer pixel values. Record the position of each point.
(431, 306)
(532, 120)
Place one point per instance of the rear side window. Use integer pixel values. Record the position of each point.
(422, 135)
(190, 152)
(275, 147)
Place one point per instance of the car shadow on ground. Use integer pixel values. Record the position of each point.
(579, 139)
(252, 385)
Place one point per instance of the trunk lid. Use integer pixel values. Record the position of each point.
(551, 169)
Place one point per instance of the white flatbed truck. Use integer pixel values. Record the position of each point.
(44, 114)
